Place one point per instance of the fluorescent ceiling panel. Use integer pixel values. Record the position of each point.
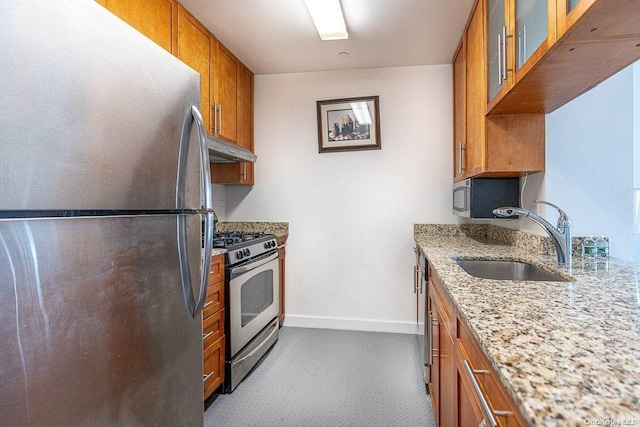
(328, 19)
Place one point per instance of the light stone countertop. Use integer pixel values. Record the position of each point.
(567, 352)
(218, 251)
(280, 229)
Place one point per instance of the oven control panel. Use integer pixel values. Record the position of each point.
(251, 250)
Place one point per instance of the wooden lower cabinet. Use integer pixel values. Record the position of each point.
(442, 387)
(281, 260)
(213, 363)
(213, 338)
(458, 392)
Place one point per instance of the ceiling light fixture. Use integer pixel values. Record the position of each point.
(328, 19)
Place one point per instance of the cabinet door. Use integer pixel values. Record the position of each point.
(434, 386)
(245, 121)
(447, 383)
(476, 89)
(459, 111)
(156, 19)
(497, 32)
(239, 173)
(532, 28)
(225, 92)
(469, 410)
(194, 50)
(569, 12)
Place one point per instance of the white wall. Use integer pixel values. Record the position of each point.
(589, 165)
(351, 215)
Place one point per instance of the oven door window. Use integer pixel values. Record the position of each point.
(256, 295)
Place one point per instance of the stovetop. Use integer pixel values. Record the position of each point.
(230, 239)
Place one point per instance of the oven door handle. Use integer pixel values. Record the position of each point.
(254, 264)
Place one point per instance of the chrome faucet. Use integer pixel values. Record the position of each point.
(560, 235)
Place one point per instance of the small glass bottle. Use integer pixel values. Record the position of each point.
(589, 248)
(602, 245)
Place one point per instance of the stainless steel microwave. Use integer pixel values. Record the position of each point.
(478, 197)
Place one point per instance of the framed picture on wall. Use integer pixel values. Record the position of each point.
(348, 124)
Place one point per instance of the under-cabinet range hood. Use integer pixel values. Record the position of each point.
(226, 152)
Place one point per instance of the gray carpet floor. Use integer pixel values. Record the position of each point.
(321, 377)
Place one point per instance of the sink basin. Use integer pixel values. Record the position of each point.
(507, 270)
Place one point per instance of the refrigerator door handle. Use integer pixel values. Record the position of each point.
(207, 202)
(194, 116)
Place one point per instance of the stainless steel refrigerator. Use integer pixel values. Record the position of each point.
(104, 184)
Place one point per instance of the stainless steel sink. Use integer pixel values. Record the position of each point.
(507, 270)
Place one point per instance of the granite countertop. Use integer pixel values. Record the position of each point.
(280, 229)
(218, 251)
(567, 352)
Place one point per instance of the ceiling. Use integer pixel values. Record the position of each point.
(278, 36)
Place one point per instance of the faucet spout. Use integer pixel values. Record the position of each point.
(560, 236)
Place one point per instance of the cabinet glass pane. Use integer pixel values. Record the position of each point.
(496, 23)
(531, 27)
(571, 4)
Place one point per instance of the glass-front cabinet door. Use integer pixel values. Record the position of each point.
(568, 12)
(519, 33)
(571, 4)
(496, 52)
(532, 28)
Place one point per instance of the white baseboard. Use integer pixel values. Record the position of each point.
(318, 322)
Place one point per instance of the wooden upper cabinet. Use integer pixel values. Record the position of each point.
(224, 85)
(475, 95)
(588, 41)
(156, 19)
(459, 111)
(194, 49)
(240, 173)
(494, 146)
(245, 121)
(519, 33)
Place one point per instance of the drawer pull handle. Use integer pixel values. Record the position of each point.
(204, 337)
(483, 400)
(206, 377)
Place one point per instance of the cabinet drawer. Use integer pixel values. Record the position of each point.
(212, 328)
(213, 359)
(217, 269)
(215, 300)
(494, 392)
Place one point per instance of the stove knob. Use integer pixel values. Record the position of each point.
(239, 255)
(247, 252)
(267, 245)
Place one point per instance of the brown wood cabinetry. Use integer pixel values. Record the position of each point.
(156, 19)
(459, 109)
(281, 260)
(587, 43)
(213, 338)
(489, 146)
(465, 389)
(194, 49)
(240, 173)
(226, 85)
(442, 387)
(224, 91)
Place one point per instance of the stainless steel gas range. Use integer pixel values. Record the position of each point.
(252, 286)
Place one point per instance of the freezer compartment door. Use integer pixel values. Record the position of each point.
(94, 325)
(92, 112)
